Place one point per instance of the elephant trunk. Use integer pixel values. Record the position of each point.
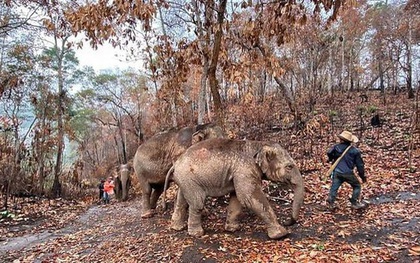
(125, 181)
(299, 193)
(125, 185)
(118, 187)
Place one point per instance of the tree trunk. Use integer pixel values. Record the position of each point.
(139, 125)
(330, 73)
(409, 64)
(381, 76)
(203, 42)
(173, 111)
(117, 151)
(172, 100)
(6, 194)
(60, 53)
(214, 85)
(41, 153)
(56, 189)
(350, 69)
(262, 84)
(289, 100)
(202, 93)
(123, 139)
(341, 83)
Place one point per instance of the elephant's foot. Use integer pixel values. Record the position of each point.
(178, 226)
(231, 226)
(196, 232)
(277, 232)
(147, 214)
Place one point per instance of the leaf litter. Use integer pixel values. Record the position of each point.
(387, 231)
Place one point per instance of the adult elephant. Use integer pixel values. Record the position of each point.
(122, 183)
(155, 157)
(217, 167)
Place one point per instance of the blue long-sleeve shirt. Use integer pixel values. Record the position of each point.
(353, 158)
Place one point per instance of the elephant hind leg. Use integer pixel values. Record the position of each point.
(146, 209)
(156, 192)
(195, 201)
(194, 222)
(233, 211)
(179, 216)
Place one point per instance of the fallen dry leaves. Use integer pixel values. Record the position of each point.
(387, 231)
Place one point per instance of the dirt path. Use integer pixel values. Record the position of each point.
(386, 231)
(29, 240)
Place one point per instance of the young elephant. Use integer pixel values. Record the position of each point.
(155, 157)
(122, 183)
(217, 167)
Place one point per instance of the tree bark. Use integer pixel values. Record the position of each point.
(289, 100)
(214, 85)
(40, 156)
(123, 144)
(203, 43)
(381, 76)
(60, 53)
(409, 63)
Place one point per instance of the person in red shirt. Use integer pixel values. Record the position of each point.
(108, 189)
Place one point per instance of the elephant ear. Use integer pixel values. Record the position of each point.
(263, 158)
(198, 136)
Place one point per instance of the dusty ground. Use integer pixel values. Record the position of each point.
(387, 231)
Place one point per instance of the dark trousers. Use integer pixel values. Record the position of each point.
(337, 180)
(101, 194)
(106, 198)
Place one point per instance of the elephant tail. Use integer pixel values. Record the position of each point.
(167, 180)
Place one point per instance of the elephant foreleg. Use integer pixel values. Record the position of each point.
(258, 203)
(233, 211)
(179, 215)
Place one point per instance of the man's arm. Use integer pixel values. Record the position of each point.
(332, 154)
(360, 165)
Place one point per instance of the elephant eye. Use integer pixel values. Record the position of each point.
(289, 166)
(270, 156)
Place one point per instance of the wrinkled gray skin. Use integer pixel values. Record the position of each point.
(217, 167)
(155, 157)
(122, 183)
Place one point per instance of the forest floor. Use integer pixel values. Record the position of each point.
(388, 230)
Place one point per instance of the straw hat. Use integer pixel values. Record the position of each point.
(348, 136)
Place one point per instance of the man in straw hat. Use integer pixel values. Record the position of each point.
(343, 172)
